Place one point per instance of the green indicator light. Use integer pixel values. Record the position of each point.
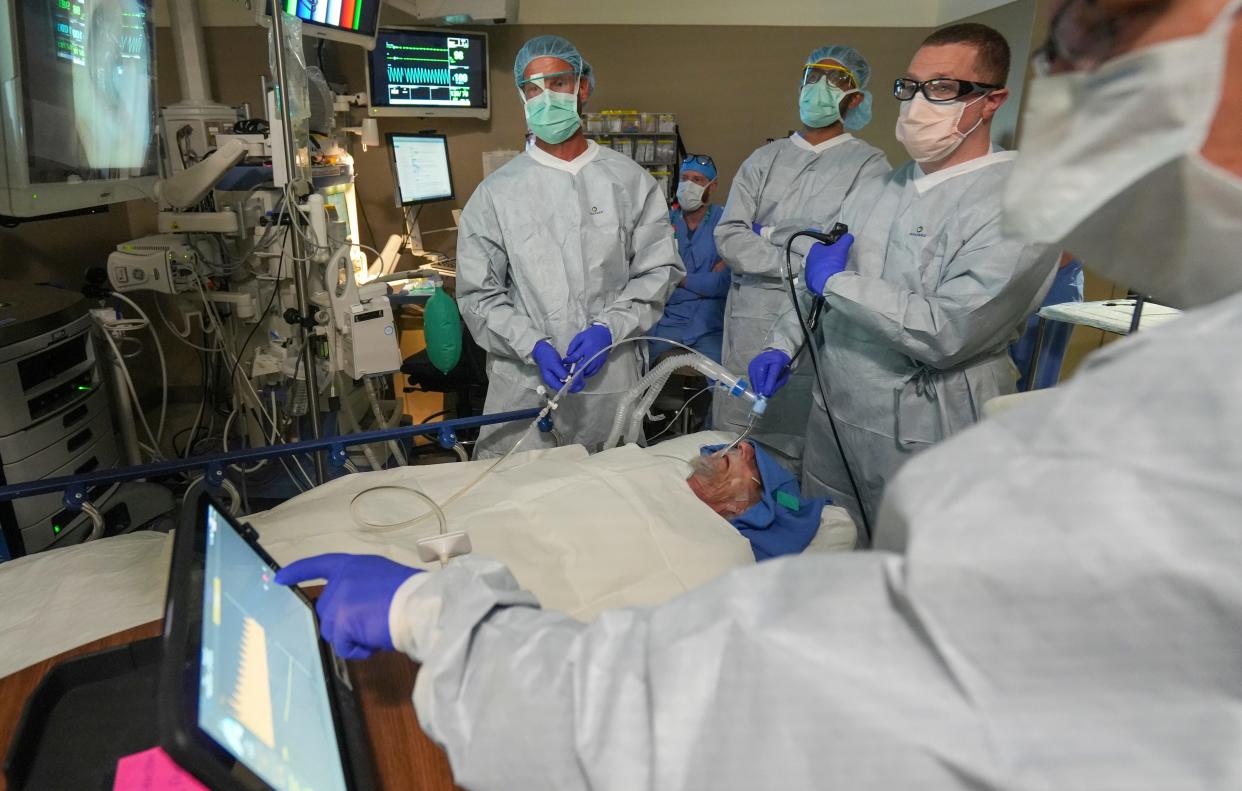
(84, 387)
(56, 529)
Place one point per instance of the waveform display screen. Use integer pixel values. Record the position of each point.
(347, 16)
(263, 696)
(88, 89)
(424, 68)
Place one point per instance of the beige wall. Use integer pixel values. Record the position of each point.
(727, 106)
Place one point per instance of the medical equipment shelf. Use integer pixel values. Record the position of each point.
(76, 486)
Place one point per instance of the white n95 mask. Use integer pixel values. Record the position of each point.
(928, 130)
(689, 196)
(1109, 169)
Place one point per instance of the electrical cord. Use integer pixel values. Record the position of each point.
(673, 420)
(220, 329)
(159, 348)
(152, 450)
(249, 337)
(808, 345)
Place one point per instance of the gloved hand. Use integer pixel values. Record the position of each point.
(757, 228)
(353, 608)
(551, 367)
(769, 371)
(585, 346)
(826, 260)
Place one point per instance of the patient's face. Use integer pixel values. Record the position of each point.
(728, 484)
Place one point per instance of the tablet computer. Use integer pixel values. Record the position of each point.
(250, 696)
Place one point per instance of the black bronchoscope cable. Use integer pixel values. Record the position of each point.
(808, 345)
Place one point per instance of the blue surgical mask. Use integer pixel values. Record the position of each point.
(553, 117)
(819, 104)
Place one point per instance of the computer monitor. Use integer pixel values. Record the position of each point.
(78, 117)
(420, 73)
(349, 21)
(420, 168)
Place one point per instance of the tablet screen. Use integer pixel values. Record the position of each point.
(263, 695)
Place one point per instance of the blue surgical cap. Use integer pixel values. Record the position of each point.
(699, 167)
(852, 59)
(551, 47)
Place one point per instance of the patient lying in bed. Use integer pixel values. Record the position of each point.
(758, 496)
(583, 533)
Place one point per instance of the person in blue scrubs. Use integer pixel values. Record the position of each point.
(1067, 287)
(694, 314)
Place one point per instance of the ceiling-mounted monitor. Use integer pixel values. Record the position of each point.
(428, 73)
(349, 21)
(77, 105)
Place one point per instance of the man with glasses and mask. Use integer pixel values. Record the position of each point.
(562, 252)
(694, 314)
(801, 180)
(924, 295)
(1055, 603)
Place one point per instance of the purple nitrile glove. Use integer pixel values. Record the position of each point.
(551, 368)
(757, 228)
(769, 371)
(353, 608)
(826, 260)
(584, 350)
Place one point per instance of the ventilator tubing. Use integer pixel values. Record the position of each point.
(628, 422)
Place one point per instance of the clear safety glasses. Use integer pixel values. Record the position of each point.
(557, 82)
(939, 90)
(698, 159)
(837, 76)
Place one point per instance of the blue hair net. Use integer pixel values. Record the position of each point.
(857, 117)
(551, 47)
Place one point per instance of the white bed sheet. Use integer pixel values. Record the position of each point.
(584, 533)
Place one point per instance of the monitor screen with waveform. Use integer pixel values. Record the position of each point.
(88, 74)
(428, 73)
(263, 696)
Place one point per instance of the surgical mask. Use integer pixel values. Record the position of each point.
(1110, 170)
(928, 130)
(819, 104)
(552, 116)
(690, 196)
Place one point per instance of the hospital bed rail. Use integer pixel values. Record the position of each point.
(213, 465)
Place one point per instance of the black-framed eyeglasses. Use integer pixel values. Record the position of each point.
(699, 159)
(941, 89)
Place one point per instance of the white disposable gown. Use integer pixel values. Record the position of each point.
(786, 182)
(916, 332)
(1057, 606)
(546, 248)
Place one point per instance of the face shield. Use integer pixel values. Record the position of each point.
(562, 82)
